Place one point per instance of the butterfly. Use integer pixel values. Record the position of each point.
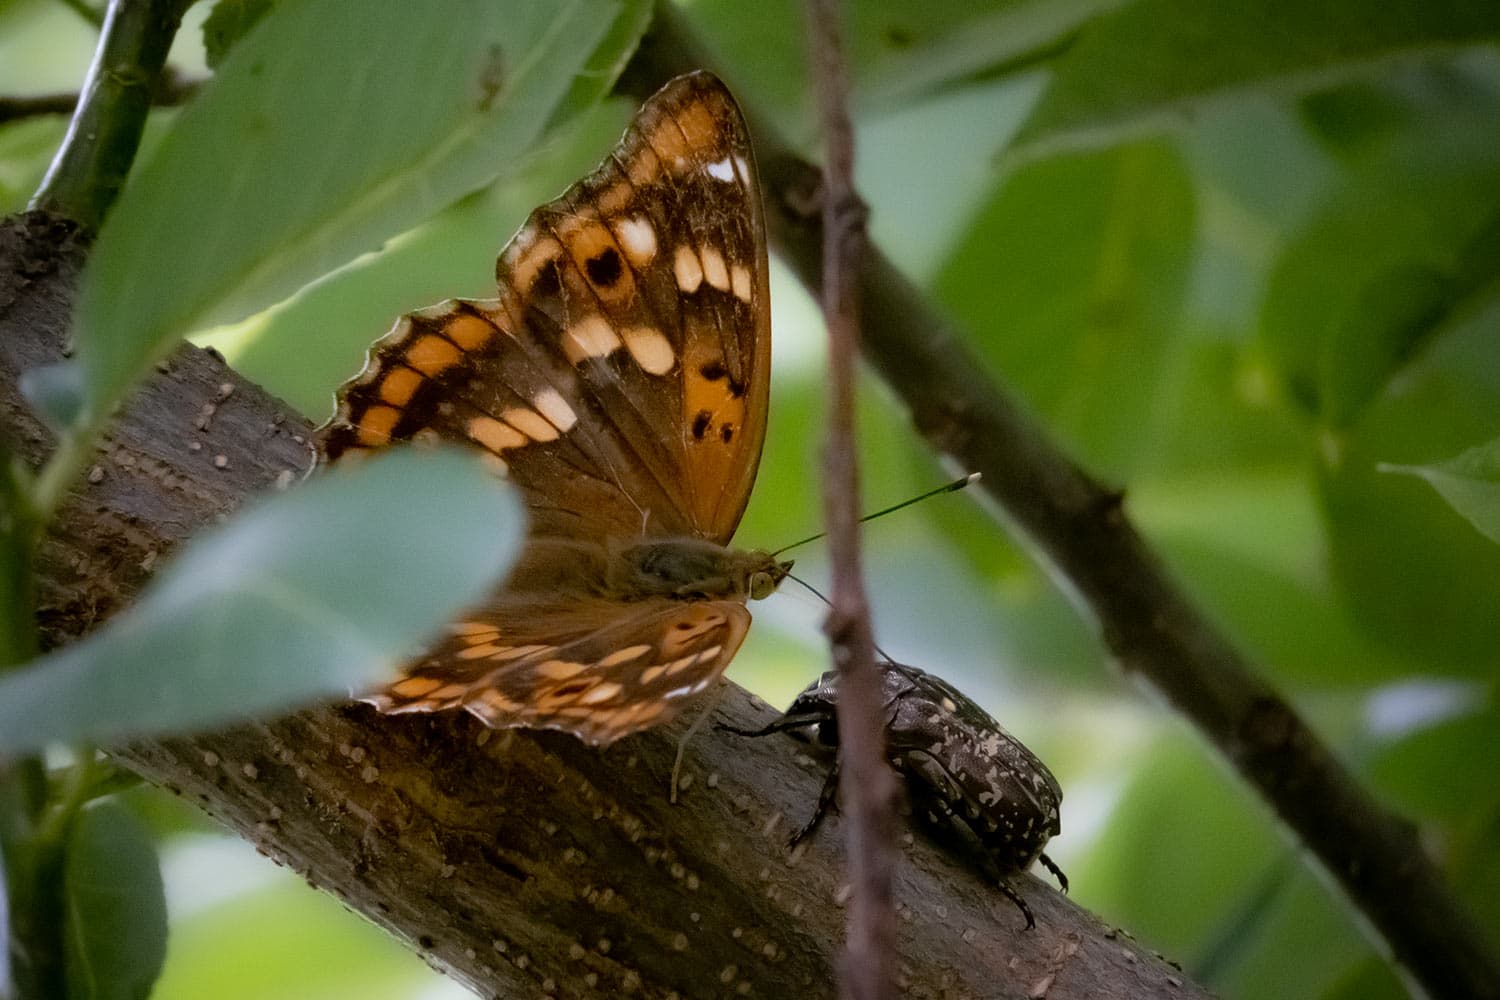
(620, 381)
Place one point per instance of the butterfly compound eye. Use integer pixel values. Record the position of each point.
(762, 585)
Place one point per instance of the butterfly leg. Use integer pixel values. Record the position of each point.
(709, 704)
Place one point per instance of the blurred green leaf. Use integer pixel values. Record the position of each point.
(1296, 946)
(899, 52)
(1251, 549)
(1072, 281)
(1470, 482)
(227, 23)
(450, 255)
(55, 393)
(596, 79)
(320, 592)
(1150, 871)
(1404, 251)
(26, 147)
(937, 49)
(285, 942)
(1415, 576)
(302, 154)
(1371, 979)
(44, 47)
(1157, 64)
(167, 816)
(1444, 772)
(115, 915)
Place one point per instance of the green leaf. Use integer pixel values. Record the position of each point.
(899, 52)
(1071, 280)
(1443, 773)
(1405, 250)
(230, 21)
(1415, 576)
(1162, 63)
(115, 916)
(55, 392)
(452, 255)
(1470, 482)
(317, 593)
(282, 941)
(329, 128)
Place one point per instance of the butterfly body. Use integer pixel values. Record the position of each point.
(620, 381)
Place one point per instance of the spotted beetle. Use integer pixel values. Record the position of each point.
(974, 784)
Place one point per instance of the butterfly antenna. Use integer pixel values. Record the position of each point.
(819, 595)
(952, 487)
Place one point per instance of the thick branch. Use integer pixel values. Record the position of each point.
(1150, 626)
(521, 864)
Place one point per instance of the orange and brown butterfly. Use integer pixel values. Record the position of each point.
(619, 380)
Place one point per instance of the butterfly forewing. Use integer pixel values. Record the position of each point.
(622, 375)
(620, 380)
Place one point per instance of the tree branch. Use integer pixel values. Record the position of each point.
(95, 157)
(867, 785)
(1152, 628)
(519, 863)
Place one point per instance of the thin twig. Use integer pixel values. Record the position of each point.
(171, 89)
(866, 781)
(1152, 628)
(90, 166)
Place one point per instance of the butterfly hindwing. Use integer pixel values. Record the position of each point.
(556, 668)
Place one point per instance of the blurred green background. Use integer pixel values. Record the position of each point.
(1234, 254)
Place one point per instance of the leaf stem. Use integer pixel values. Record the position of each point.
(90, 166)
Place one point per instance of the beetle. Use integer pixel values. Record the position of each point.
(970, 781)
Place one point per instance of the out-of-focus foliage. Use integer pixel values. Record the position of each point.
(1242, 259)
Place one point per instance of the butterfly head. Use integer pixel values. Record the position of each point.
(695, 568)
(765, 574)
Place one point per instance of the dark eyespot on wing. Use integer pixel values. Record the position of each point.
(604, 268)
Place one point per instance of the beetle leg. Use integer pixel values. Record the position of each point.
(784, 724)
(1057, 873)
(1015, 897)
(826, 801)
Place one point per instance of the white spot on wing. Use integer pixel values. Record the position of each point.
(714, 270)
(531, 423)
(722, 170)
(652, 351)
(550, 404)
(590, 337)
(637, 237)
(688, 269)
(739, 280)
